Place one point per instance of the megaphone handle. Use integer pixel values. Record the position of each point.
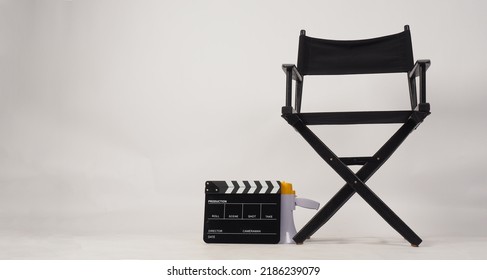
(307, 203)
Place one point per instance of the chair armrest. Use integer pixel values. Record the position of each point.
(292, 73)
(291, 67)
(419, 69)
(422, 63)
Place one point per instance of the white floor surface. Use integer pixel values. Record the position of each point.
(30, 246)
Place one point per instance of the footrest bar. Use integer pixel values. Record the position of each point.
(355, 160)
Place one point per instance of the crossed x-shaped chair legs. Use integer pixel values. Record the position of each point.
(355, 182)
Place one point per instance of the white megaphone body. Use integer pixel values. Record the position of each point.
(288, 204)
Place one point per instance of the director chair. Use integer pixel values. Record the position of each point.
(388, 54)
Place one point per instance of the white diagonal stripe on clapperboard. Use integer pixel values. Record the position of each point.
(241, 186)
(230, 187)
(253, 187)
(275, 185)
(264, 187)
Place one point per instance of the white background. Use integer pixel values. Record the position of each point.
(113, 114)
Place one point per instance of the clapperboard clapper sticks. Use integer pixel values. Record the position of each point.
(250, 212)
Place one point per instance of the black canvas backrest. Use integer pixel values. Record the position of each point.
(388, 54)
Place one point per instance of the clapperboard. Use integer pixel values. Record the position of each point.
(242, 212)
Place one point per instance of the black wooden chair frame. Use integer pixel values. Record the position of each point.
(356, 182)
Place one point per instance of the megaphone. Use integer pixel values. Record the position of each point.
(289, 201)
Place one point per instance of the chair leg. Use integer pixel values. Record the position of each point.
(356, 183)
(386, 213)
(324, 214)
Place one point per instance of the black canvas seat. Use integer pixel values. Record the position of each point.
(387, 54)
